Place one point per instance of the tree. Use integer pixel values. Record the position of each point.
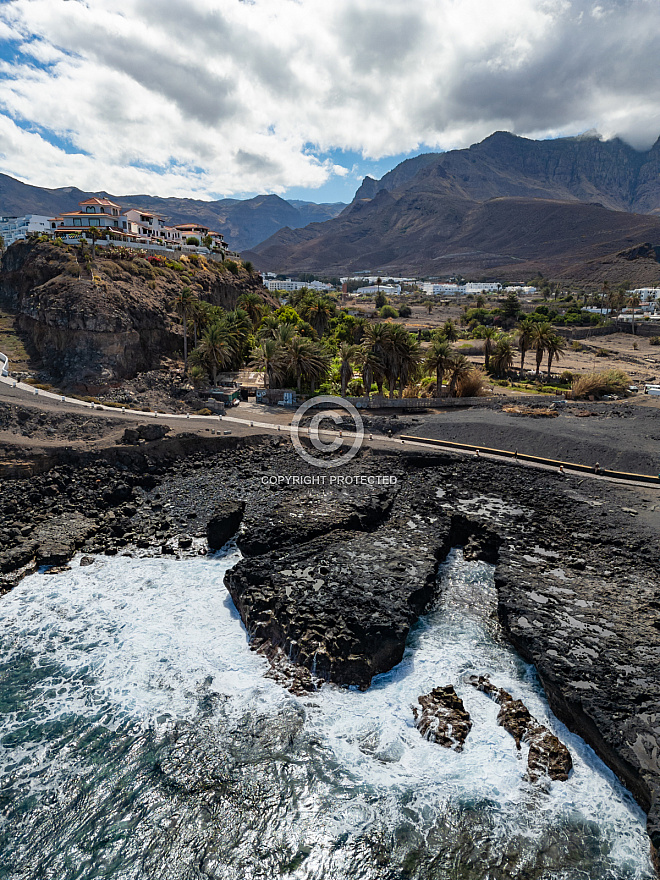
(489, 335)
(439, 357)
(192, 240)
(375, 342)
(254, 305)
(501, 360)
(429, 305)
(381, 300)
(511, 305)
(460, 368)
(318, 310)
(555, 345)
(449, 331)
(307, 360)
(347, 354)
(216, 349)
(207, 241)
(183, 306)
(405, 311)
(525, 339)
(94, 233)
(541, 336)
(270, 358)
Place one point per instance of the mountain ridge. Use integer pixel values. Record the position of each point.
(436, 212)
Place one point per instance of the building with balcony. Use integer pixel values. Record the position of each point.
(16, 228)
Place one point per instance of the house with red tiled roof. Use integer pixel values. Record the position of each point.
(97, 212)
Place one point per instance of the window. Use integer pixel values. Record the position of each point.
(90, 209)
(77, 221)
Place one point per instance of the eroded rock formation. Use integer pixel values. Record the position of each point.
(547, 754)
(443, 718)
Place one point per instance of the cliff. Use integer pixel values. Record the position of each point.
(90, 327)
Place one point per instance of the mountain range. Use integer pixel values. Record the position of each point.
(243, 222)
(508, 205)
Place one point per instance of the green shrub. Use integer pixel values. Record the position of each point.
(405, 311)
(654, 340)
(204, 412)
(388, 312)
(231, 266)
(192, 240)
(602, 353)
(576, 345)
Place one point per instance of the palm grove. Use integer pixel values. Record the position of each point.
(310, 344)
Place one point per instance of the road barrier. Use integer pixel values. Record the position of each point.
(4, 364)
(537, 459)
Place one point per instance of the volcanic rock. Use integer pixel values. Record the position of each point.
(443, 718)
(224, 524)
(547, 755)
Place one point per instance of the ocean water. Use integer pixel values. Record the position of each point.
(139, 738)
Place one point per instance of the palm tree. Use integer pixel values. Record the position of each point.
(460, 368)
(216, 349)
(525, 339)
(270, 358)
(440, 358)
(317, 310)
(555, 345)
(449, 331)
(489, 334)
(501, 361)
(347, 354)
(375, 343)
(268, 326)
(254, 305)
(183, 305)
(307, 360)
(541, 336)
(284, 333)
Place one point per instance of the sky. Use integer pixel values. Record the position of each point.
(303, 98)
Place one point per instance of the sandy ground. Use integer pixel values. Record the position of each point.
(623, 437)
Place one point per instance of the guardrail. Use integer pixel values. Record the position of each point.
(537, 459)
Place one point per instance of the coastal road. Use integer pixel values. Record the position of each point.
(247, 420)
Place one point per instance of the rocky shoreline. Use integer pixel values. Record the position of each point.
(334, 576)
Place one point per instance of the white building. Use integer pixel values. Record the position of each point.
(387, 289)
(646, 294)
(482, 287)
(435, 289)
(15, 228)
(143, 223)
(291, 286)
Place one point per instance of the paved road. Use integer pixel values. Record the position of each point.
(245, 420)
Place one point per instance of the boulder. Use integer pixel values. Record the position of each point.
(224, 523)
(548, 756)
(443, 718)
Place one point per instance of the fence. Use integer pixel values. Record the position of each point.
(413, 403)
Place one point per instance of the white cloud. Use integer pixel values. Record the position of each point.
(226, 97)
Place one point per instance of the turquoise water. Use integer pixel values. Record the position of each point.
(140, 739)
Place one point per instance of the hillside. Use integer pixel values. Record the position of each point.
(505, 205)
(87, 329)
(243, 222)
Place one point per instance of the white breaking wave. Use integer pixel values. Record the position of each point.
(142, 639)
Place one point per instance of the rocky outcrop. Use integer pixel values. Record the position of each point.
(148, 433)
(547, 756)
(92, 322)
(224, 524)
(443, 718)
